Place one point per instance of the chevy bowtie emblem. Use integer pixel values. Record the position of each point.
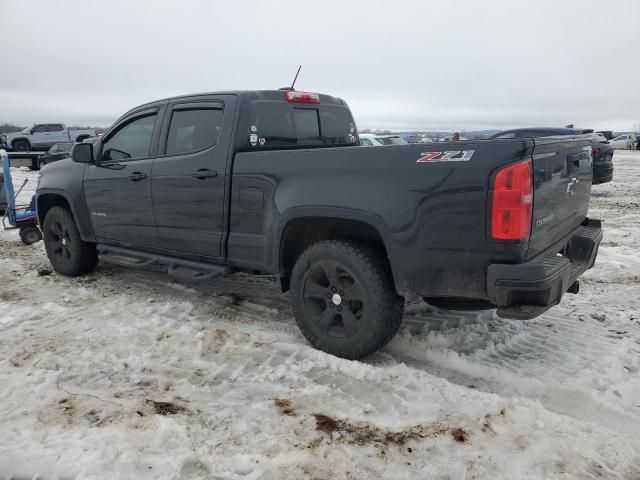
(570, 186)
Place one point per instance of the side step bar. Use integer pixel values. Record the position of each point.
(176, 267)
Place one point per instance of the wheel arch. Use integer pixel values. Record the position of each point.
(45, 201)
(308, 227)
(24, 139)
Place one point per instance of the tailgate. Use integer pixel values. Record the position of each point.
(562, 170)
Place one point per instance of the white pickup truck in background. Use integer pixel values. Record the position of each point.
(42, 136)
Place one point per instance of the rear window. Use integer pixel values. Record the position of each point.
(281, 125)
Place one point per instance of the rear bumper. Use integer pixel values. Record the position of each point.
(528, 289)
(602, 173)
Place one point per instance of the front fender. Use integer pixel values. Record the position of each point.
(64, 179)
(10, 140)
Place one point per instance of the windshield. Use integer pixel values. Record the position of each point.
(391, 140)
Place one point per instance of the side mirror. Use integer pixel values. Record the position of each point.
(82, 153)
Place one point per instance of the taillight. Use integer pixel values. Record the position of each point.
(301, 97)
(595, 151)
(1, 178)
(512, 203)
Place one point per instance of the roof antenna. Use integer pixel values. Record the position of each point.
(288, 89)
(296, 77)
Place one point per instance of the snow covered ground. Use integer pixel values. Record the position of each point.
(126, 374)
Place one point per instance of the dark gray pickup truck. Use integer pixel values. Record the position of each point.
(274, 182)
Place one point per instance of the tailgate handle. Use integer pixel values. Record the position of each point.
(203, 173)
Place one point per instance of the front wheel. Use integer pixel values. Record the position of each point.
(344, 299)
(21, 146)
(68, 254)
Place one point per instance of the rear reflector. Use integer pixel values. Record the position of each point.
(512, 204)
(301, 97)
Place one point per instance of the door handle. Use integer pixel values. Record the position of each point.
(137, 176)
(203, 173)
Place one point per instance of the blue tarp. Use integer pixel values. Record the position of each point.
(8, 188)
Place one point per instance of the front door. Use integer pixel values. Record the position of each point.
(189, 175)
(40, 136)
(118, 185)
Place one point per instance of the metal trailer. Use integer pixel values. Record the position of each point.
(26, 159)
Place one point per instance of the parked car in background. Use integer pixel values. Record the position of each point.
(539, 132)
(601, 150)
(622, 141)
(602, 159)
(42, 136)
(374, 140)
(608, 134)
(57, 152)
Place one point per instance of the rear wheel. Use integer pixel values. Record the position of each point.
(344, 299)
(21, 146)
(68, 254)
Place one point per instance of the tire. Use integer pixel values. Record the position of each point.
(30, 235)
(68, 254)
(21, 146)
(344, 299)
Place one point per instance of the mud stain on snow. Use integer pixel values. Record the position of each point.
(285, 406)
(360, 433)
(167, 408)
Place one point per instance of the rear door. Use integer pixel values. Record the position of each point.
(562, 172)
(57, 133)
(190, 174)
(118, 185)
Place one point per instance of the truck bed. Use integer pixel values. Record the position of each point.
(432, 215)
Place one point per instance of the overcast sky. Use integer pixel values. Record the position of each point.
(399, 64)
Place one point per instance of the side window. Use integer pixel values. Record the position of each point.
(56, 127)
(193, 130)
(131, 141)
(338, 128)
(365, 142)
(40, 128)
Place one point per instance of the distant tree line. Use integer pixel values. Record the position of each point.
(10, 128)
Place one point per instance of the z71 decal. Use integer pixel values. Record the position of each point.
(451, 156)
